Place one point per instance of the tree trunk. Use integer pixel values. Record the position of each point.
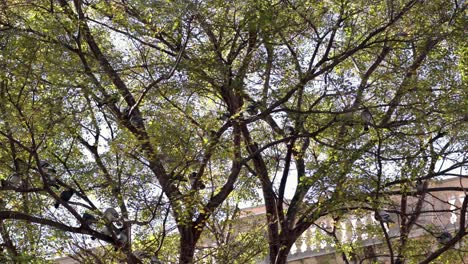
(131, 259)
(282, 255)
(187, 245)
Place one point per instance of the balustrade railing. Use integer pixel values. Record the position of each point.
(358, 229)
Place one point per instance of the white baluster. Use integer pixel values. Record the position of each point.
(344, 235)
(323, 243)
(453, 215)
(313, 235)
(364, 234)
(303, 243)
(308, 239)
(293, 249)
(354, 236)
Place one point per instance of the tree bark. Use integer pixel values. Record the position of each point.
(282, 256)
(187, 245)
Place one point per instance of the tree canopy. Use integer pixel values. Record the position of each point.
(180, 113)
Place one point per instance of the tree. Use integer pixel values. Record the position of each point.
(165, 110)
(362, 62)
(114, 122)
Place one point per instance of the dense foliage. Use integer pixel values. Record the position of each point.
(178, 113)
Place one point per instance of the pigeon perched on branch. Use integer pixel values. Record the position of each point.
(111, 215)
(366, 117)
(14, 180)
(444, 237)
(122, 236)
(384, 217)
(49, 173)
(196, 182)
(252, 108)
(65, 196)
(89, 218)
(288, 131)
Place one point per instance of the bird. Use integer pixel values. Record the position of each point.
(444, 237)
(366, 117)
(140, 254)
(65, 196)
(225, 116)
(288, 130)
(49, 173)
(106, 231)
(252, 108)
(46, 168)
(196, 182)
(111, 215)
(14, 180)
(420, 186)
(51, 179)
(44, 164)
(193, 177)
(384, 217)
(23, 167)
(179, 177)
(122, 238)
(89, 218)
(53, 182)
(155, 260)
(133, 117)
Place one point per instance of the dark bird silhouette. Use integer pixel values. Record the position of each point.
(65, 196)
(366, 117)
(196, 182)
(252, 108)
(89, 218)
(225, 116)
(444, 237)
